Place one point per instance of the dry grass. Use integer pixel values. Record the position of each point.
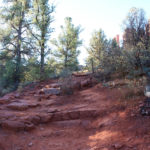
(130, 92)
(129, 88)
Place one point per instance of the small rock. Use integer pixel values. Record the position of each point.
(30, 144)
(29, 126)
(19, 148)
(41, 129)
(141, 105)
(17, 95)
(133, 115)
(117, 146)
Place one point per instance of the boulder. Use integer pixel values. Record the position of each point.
(50, 91)
(86, 83)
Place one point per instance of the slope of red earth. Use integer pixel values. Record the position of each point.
(92, 118)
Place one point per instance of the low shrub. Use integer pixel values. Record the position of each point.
(66, 86)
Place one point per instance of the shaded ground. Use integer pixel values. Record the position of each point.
(90, 119)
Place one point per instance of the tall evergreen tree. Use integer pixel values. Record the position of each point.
(97, 47)
(41, 28)
(67, 45)
(12, 37)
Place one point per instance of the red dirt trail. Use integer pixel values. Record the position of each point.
(90, 119)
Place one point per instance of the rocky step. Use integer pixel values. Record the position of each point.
(29, 122)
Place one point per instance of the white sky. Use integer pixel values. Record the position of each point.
(95, 14)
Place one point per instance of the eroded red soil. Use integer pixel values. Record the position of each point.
(90, 119)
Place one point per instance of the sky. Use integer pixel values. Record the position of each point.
(92, 15)
(107, 15)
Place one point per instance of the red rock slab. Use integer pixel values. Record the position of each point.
(18, 106)
(76, 114)
(21, 105)
(5, 100)
(17, 125)
(6, 115)
(13, 125)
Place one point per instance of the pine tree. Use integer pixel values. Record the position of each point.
(67, 45)
(13, 35)
(97, 48)
(41, 28)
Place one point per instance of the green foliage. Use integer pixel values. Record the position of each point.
(41, 29)
(67, 45)
(107, 57)
(14, 40)
(97, 48)
(7, 83)
(31, 71)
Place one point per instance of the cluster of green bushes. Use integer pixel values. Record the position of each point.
(131, 58)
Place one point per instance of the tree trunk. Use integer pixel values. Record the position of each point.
(65, 62)
(42, 70)
(92, 65)
(18, 53)
(66, 59)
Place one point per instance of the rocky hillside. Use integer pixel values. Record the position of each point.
(42, 117)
